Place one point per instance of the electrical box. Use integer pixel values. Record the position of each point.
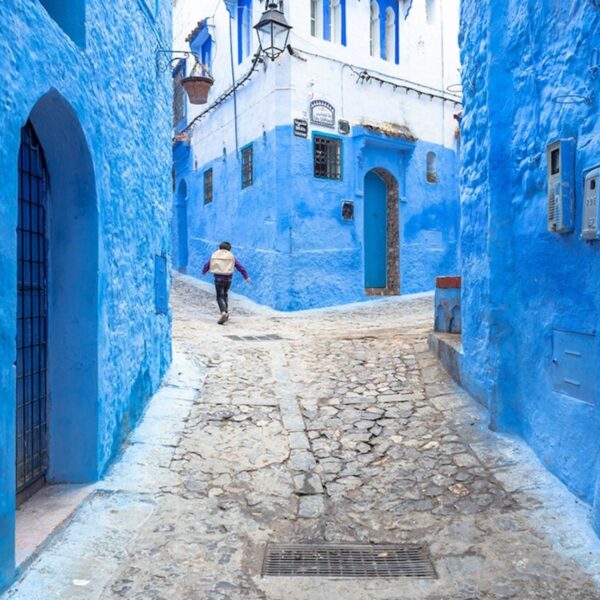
(574, 360)
(590, 226)
(561, 185)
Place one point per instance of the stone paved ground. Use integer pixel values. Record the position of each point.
(343, 430)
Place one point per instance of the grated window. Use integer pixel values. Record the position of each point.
(208, 186)
(327, 157)
(247, 167)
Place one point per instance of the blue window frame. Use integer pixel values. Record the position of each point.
(328, 20)
(201, 43)
(385, 30)
(244, 28)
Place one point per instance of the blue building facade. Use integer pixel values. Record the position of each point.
(84, 238)
(530, 143)
(292, 231)
(333, 172)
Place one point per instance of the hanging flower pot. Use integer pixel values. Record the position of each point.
(197, 85)
(197, 88)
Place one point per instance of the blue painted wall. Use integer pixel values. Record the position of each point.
(527, 81)
(288, 229)
(103, 119)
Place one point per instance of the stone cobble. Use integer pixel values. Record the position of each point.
(343, 430)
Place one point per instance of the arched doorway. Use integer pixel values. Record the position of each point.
(57, 302)
(381, 233)
(181, 216)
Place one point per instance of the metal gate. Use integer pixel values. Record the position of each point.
(32, 326)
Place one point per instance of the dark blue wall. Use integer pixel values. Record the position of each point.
(528, 79)
(103, 119)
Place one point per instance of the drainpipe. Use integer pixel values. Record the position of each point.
(235, 111)
(443, 73)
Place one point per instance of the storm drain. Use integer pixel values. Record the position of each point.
(255, 338)
(348, 561)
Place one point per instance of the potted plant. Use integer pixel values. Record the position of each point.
(197, 85)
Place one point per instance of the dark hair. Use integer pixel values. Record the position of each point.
(225, 246)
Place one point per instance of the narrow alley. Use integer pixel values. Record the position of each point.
(327, 426)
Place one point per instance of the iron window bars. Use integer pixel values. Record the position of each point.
(32, 326)
(208, 186)
(247, 167)
(327, 157)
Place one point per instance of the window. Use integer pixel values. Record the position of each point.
(178, 94)
(375, 29)
(316, 18)
(208, 186)
(328, 20)
(201, 42)
(244, 18)
(335, 11)
(247, 167)
(390, 35)
(206, 53)
(327, 157)
(432, 176)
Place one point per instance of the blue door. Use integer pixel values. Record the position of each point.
(32, 302)
(375, 231)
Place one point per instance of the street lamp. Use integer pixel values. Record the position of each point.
(273, 30)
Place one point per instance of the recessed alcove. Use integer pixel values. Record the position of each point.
(70, 17)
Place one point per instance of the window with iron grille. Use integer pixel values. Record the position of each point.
(208, 186)
(247, 167)
(178, 97)
(327, 157)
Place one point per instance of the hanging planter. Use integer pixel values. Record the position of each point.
(197, 86)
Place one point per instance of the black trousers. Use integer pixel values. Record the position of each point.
(222, 287)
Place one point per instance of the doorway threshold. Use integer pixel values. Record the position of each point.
(44, 515)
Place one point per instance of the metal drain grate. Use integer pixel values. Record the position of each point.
(347, 561)
(255, 338)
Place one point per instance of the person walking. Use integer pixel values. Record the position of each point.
(222, 264)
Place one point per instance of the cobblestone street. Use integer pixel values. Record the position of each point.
(333, 426)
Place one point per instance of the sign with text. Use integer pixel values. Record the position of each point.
(301, 127)
(322, 113)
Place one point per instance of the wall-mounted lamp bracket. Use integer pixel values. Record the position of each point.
(167, 59)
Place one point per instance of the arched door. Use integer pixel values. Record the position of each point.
(375, 231)
(182, 225)
(32, 318)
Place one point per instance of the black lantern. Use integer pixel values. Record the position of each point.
(273, 30)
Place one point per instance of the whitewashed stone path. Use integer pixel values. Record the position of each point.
(340, 427)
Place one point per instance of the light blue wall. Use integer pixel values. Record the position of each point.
(288, 230)
(103, 118)
(521, 282)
